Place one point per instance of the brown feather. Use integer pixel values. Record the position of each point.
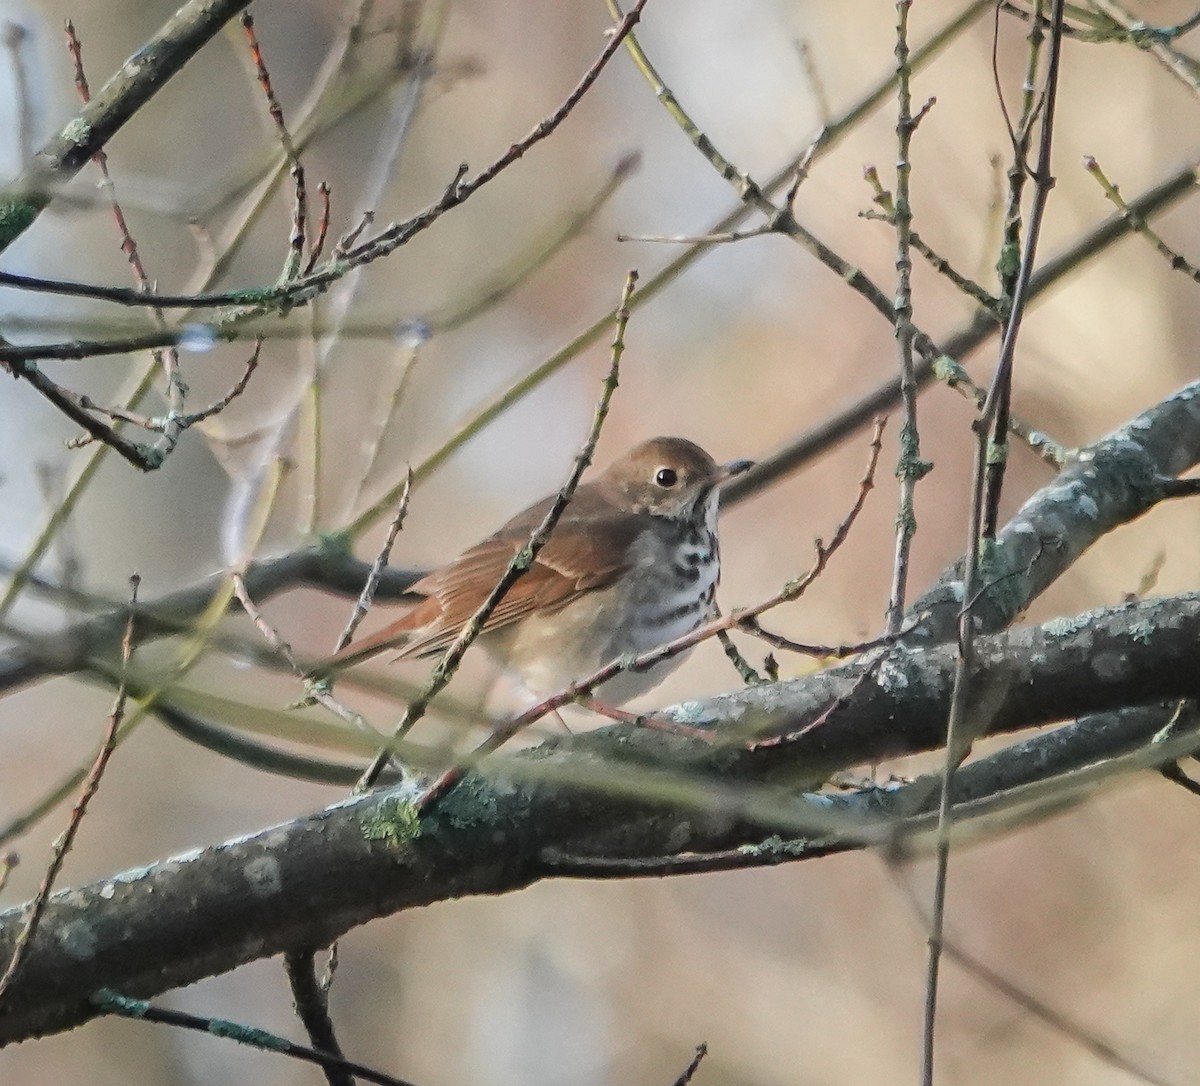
(664, 481)
(588, 549)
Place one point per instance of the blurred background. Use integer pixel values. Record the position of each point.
(807, 973)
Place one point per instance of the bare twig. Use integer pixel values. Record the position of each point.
(312, 1008)
(90, 784)
(72, 406)
(884, 199)
(693, 1066)
(367, 596)
(836, 652)
(405, 353)
(1038, 1008)
(111, 1003)
(158, 59)
(302, 289)
(318, 245)
(16, 39)
(295, 260)
(317, 693)
(910, 468)
(991, 427)
(1175, 260)
(168, 358)
(239, 386)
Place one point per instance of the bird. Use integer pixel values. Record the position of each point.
(632, 564)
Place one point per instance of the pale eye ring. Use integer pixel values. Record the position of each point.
(666, 478)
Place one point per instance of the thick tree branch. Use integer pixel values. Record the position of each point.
(320, 566)
(180, 38)
(1105, 484)
(653, 793)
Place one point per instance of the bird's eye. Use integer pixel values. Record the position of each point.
(666, 478)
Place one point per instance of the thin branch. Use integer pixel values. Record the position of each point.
(295, 260)
(367, 596)
(91, 784)
(1042, 445)
(883, 198)
(910, 468)
(133, 85)
(1175, 260)
(225, 248)
(1158, 40)
(693, 1066)
(1050, 1016)
(318, 245)
(974, 333)
(312, 1008)
(318, 693)
(409, 342)
(835, 652)
(141, 456)
(301, 290)
(991, 430)
(573, 225)
(167, 359)
(109, 1002)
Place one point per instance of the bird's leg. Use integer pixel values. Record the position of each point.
(621, 716)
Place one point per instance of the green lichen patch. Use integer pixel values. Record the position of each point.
(77, 131)
(393, 820)
(16, 216)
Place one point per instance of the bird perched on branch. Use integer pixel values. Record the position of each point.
(632, 564)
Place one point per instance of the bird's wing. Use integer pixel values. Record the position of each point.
(589, 556)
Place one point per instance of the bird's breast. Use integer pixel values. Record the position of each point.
(666, 591)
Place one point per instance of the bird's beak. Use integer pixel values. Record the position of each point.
(735, 467)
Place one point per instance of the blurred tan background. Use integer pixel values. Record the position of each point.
(811, 973)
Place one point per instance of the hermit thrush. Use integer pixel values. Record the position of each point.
(632, 564)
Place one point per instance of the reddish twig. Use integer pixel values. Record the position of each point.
(363, 603)
(836, 652)
(168, 358)
(348, 255)
(318, 245)
(300, 206)
(834, 706)
(316, 691)
(90, 784)
(238, 388)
